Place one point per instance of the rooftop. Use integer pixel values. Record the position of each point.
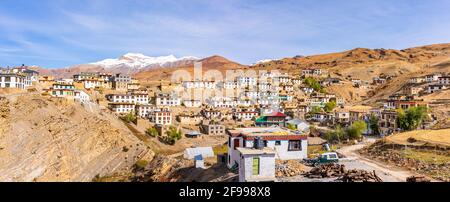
(263, 132)
(253, 151)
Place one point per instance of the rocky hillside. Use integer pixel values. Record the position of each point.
(364, 64)
(44, 139)
(218, 63)
(362, 56)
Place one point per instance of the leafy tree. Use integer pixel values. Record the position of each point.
(291, 127)
(315, 110)
(152, 132)
(337, 135)
(130, 117)
(173, 135)
(373, 124)
(356, 130)
(412, 118)
(313, 83)
(330, 106)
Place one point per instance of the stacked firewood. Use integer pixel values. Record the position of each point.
(417, 179)
(359, 176)
(289, 168)
(326, 171)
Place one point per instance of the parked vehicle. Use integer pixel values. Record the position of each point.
(325, 158)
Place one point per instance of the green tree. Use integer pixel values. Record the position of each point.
(291, 127)
(330, 106)
(173, 135)
(315, 110)
(373, 124)
(313, 83)
(356, 130)
(336, 135)
(412, 118)
(130, 117)
(152, 132)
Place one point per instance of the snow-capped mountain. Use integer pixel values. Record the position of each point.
(137, 61)
(263, 61)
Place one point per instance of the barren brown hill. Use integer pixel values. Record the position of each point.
(364, 64)
(215, 62)
(363, 57)
(70, 71)
(44, 139)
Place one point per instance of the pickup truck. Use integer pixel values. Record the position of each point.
(325, 158)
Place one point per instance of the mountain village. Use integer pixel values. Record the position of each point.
(255, 128)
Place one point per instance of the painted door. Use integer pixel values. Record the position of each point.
(256, 166)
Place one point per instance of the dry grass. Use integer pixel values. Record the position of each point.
(427, 156)
(220, 149)
(422, 137)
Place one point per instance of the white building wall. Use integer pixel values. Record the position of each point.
(266, 163)
(282, 151)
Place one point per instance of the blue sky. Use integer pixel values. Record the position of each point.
(60, 33)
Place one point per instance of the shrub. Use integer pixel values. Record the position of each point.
(412, 118)
(330, 106)
(337, 135)
(173, 135)
(152, 132)
(356, 130)
(313, 83)
(291, 127)
(130, 117)
(373, 124)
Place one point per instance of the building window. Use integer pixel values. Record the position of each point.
(278, 143)
(295, 145)
(256, 166)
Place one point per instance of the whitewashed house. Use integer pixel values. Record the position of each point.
(81, 96)
(167, 100)
(256, 165)
(221, 102)
(191, 119)
(191, 103)
(430, 78)
(435, 88)
(444, 80)
(122, 108)
(245, 114)
(199, 84)
(161, 116)
(245, 81)
(144, 110)
(286, 144)
(12, 80)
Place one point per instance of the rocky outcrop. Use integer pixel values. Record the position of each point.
(46, 139)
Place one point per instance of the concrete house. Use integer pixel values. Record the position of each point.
(12, 80)
(190, 119)
(122, 108)
(273, 119)
(213, 129)
(435, 88)
(120, 82)
(256, 164)
(161, 116)
(81, 96)
(167, 100)
(62, 90)
(191, 103)
(245, 114)
(430, 78)
(444, 80)
(286, 144)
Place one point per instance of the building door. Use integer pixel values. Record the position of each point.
(236, 143)
(256, 166)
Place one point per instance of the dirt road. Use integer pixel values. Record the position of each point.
(385, 172)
